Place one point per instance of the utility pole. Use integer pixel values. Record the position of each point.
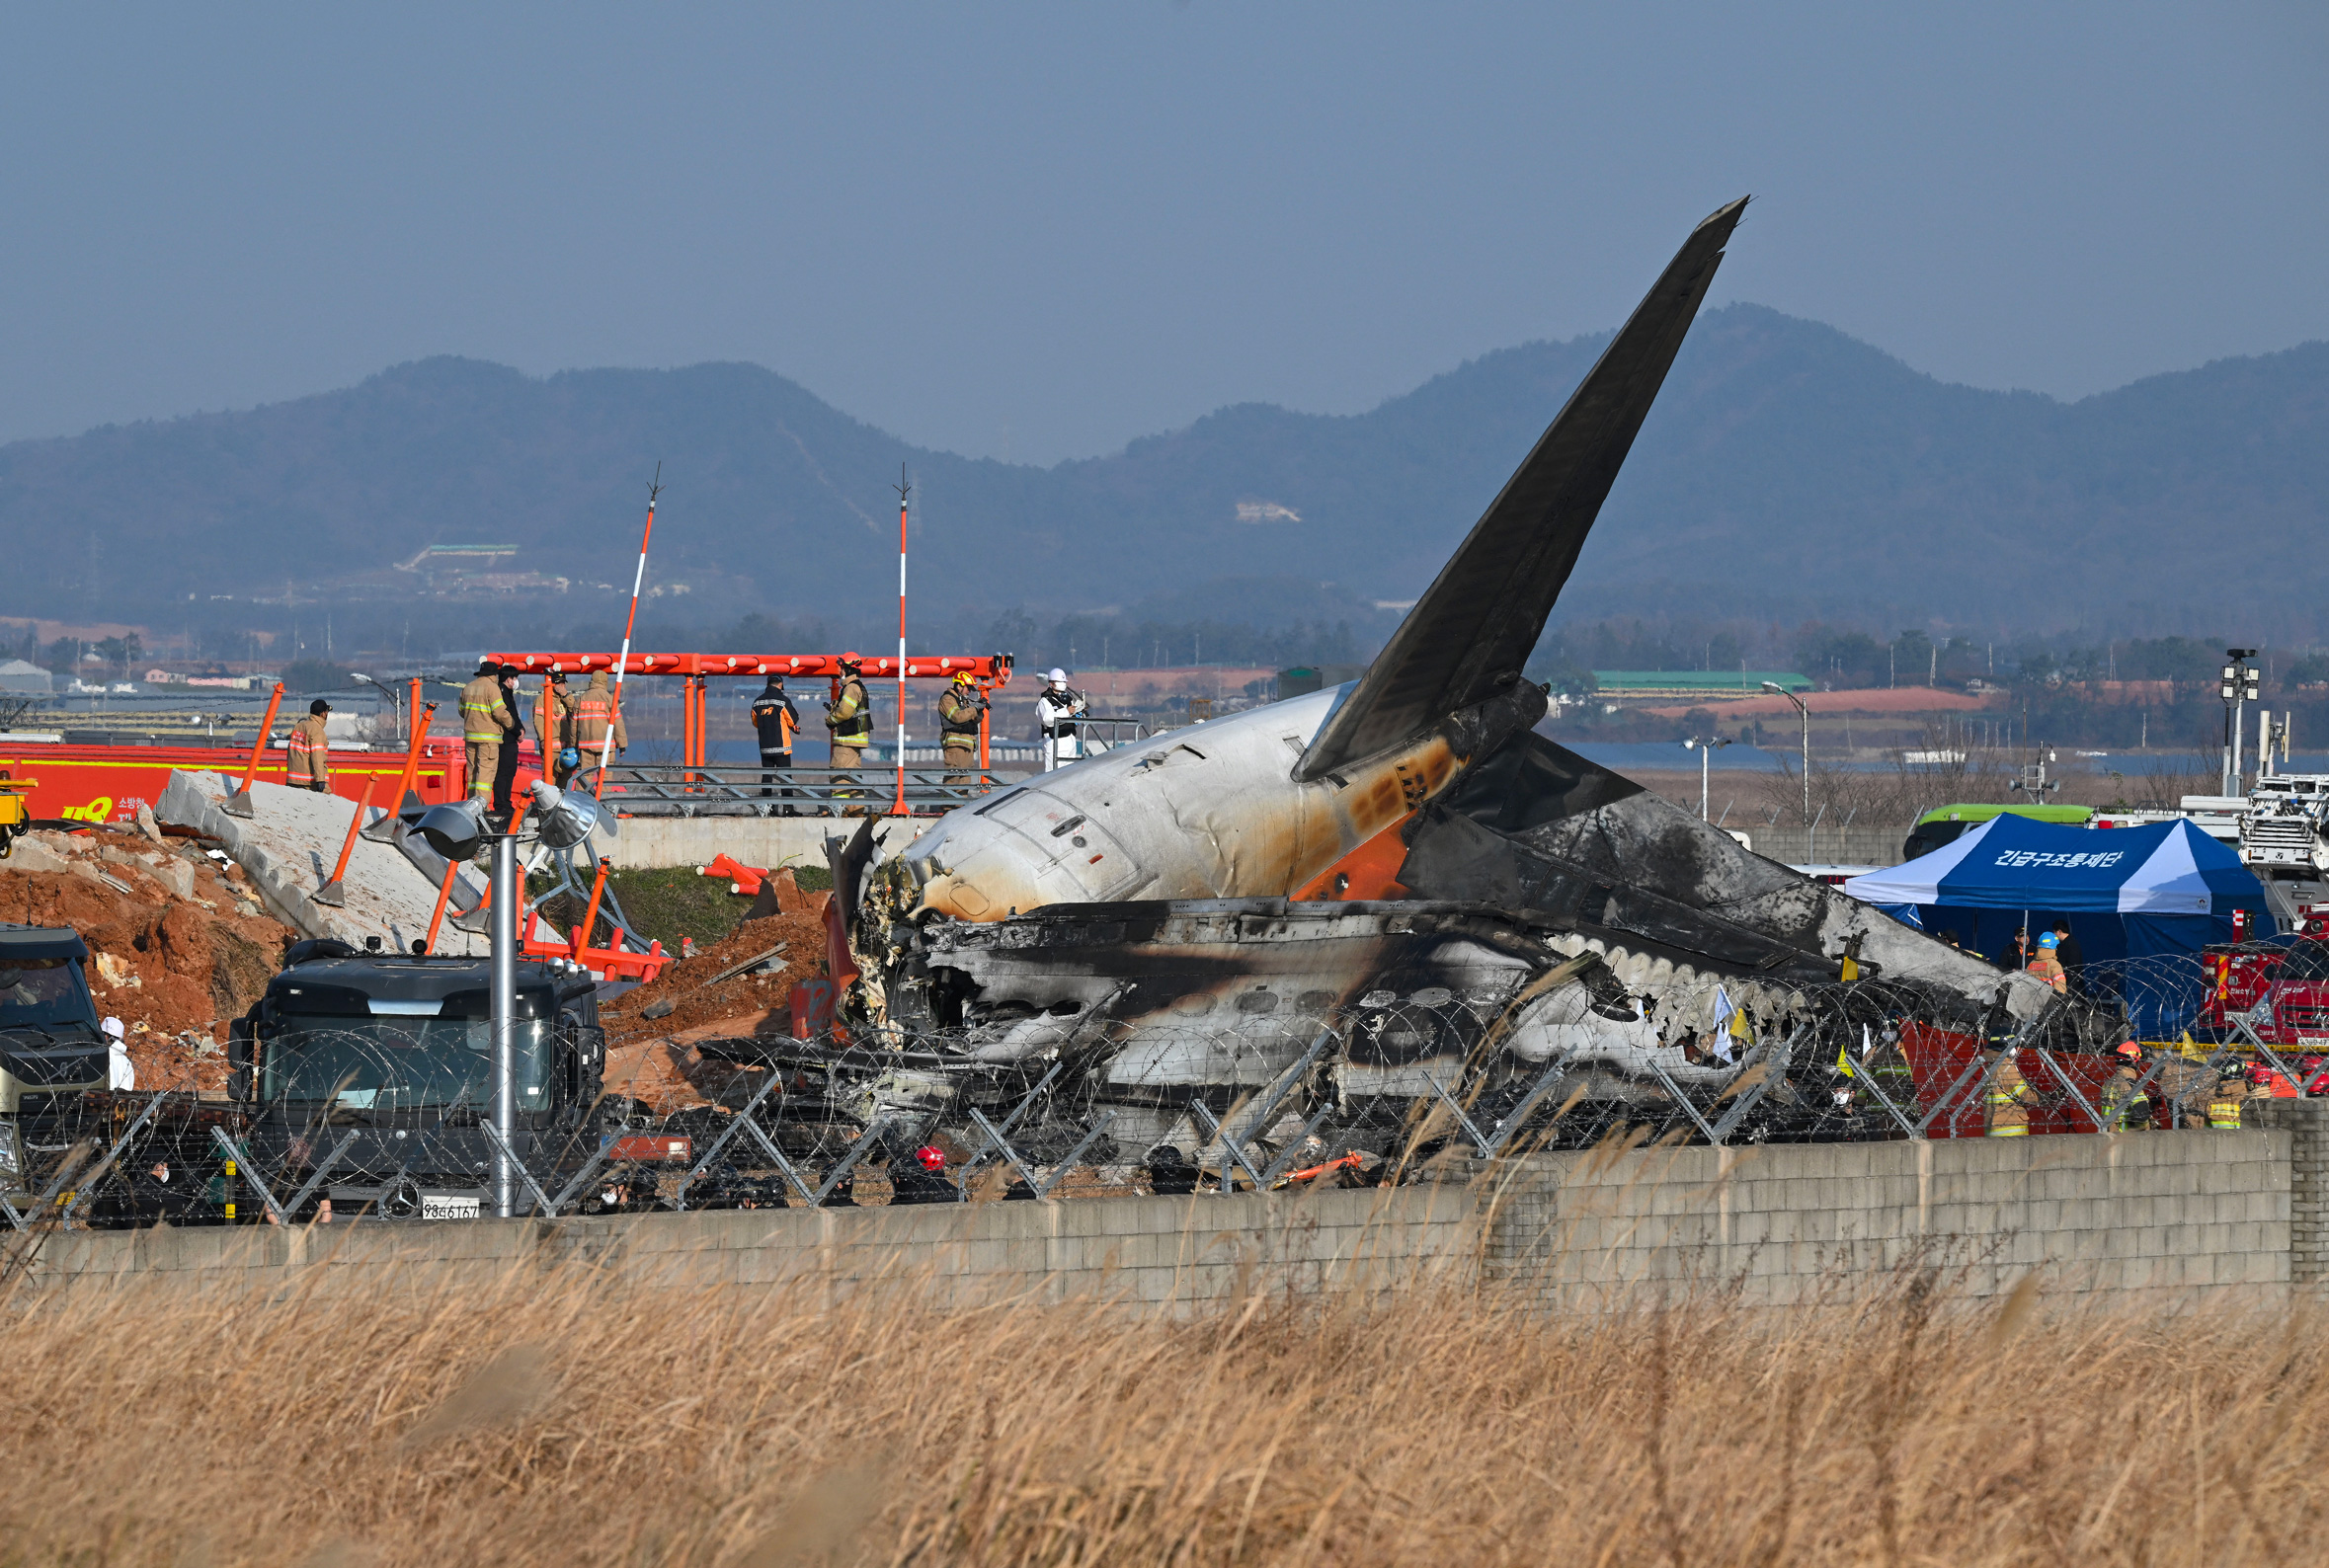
(1804, 708)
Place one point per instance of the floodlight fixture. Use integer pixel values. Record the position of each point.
(453, 830)
(566, 817)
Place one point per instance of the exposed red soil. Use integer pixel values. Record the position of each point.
(173, 969)
(656, 1060)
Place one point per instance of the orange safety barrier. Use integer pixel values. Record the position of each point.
(329, 892)
(742, 877)
(437, 915)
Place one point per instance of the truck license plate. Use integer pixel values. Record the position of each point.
(436, 1206)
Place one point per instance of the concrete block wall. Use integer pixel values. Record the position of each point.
(2150, 1214)
(1154, 1251)
(2146, 1212)
(2306, 1122)
(647, 842)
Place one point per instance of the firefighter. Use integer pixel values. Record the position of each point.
(309, 756)
(850, 719)
(485, 721)
(777, 720)
(2226, 1103)
(2046, 965)
(2126, 1107)
(2184, 1079)
(558, 738)
(1057, 708)
(960, 707)
(505, 769)
(595, 715)
(2010, 1100)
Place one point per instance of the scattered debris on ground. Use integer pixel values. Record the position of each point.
(177, 939)
(653, 1031)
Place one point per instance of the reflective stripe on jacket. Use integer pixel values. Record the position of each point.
(309, 753)
(851, 717)
(958, 719)
(484, 716)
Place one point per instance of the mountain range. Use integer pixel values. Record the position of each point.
(1788, 471)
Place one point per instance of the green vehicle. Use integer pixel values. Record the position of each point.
(1943, 823)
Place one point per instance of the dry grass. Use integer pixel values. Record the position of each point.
(572, 1419)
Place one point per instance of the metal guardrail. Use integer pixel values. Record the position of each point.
(673, 790)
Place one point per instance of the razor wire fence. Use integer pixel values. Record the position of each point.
(384, 1120)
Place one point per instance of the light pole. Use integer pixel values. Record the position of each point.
(1704, 747)
(396, 697)
(2239, 688)
(454, 830)
(1804, 708)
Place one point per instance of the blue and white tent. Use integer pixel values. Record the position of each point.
(2129, 893)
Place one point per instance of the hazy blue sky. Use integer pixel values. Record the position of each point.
(1038, 231)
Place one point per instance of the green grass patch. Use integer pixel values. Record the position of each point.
(671, 902)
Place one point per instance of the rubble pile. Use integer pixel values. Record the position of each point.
(656, 1060)
(179, 944)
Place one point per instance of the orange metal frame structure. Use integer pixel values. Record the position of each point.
(989, 672)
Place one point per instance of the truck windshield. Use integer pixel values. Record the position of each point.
(390, 1063)
(2307, 961)
(42, 991)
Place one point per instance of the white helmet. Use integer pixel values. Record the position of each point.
(1058, 677)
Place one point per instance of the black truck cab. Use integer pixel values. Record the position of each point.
(398, 1052)
(50, 1045)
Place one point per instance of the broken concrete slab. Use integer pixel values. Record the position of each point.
(288, 847)
(169, 870)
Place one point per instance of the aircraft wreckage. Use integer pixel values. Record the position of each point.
(1331, 909)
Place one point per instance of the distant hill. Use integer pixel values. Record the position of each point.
(1788, 471)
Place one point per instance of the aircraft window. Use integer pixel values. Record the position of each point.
(1433, 996)
(1378, 998)
(1194, 1005)
(1315, 1002)
(1258, 1002)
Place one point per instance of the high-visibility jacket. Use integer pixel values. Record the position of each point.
(558, 732)
(2009, 1100)
(776, 719)
(308, 755)
(851, 717)
(2223, 1106)
(2123, 1108)
(594, 712)
(484, 715)
(2046, 968)
(958, 717)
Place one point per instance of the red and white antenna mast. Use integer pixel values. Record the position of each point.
(904, 490)
(630, 622)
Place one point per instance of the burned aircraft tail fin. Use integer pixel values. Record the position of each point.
(1472, 632)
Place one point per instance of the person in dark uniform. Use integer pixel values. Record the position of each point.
(777, 720)
(2070, 956)
(505, 773)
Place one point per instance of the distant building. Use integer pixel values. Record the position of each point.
(20, 679)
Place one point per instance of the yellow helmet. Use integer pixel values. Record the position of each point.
(962, 677)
